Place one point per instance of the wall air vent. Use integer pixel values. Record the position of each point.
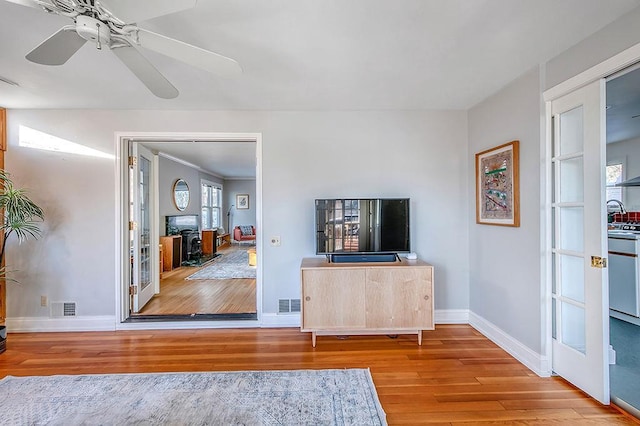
(63, 309)
(286, 306)
(295, 305)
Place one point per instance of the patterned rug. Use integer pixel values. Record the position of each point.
(232, 263)
(312, 397)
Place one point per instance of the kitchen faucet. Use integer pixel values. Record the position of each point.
(610, 215)
(619, 203)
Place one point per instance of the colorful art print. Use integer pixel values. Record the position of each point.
(497, 191)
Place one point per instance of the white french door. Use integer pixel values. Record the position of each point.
(580, 331)
(144, 260)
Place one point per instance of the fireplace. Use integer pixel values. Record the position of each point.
(191, 245)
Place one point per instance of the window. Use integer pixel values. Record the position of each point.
(614, 176)
(211, 201)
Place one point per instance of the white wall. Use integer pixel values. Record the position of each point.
(306, 155)
(610, 40)
(504, 284)
(504, 262)
(233, 187)
(168, 172)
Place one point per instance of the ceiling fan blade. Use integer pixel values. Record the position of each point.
(189, 54)
(28, 3)
(57, 49)
(140, 10)
(147, 73)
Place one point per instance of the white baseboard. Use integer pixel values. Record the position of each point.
(442, 316)
(80, 323)
(109, 323)
(271, 320)
(451, 316)
(537, 363)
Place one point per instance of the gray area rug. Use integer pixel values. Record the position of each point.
(230, 264)
(300, 397)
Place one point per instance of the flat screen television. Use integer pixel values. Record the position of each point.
(362, 226)
(176, 224)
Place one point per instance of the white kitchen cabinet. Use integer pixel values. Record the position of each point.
(624, 274)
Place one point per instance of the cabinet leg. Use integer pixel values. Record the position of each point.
(313, 339)
(419, 337)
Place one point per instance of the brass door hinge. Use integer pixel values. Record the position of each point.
(133, 289)
(133, 225)
(598, 262)
(133, 161)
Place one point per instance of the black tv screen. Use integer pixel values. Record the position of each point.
(176, 224)
(362, 225)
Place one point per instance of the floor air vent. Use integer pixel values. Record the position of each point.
(63, 309)
(288, 305)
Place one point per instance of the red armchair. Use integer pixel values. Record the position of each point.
(240, 237)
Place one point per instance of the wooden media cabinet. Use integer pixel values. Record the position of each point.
(366, 298)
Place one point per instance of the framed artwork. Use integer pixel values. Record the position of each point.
(242, 201)
(497, 186)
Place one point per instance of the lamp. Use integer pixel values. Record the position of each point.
(229, 214)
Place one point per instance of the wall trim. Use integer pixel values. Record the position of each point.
(442, 316)
(604, 69)
(451, 316)
(536, 362)
(46, 324)
(109, 323)
(272, 320)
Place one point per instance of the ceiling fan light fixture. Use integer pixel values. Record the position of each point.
(93, 30)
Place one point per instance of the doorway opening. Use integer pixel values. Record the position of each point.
(623, 219)
(174, 237)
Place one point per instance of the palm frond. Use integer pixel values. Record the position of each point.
(17, 205)
(21, 215)
(3, 275)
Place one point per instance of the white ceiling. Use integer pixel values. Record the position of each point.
(228, 160)
(312, 54)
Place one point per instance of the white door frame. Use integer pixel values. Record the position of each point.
(122, 242)
(604, 69)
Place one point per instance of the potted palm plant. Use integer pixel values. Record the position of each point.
(21, 217)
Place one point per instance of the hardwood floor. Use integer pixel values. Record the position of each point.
(185, 297)
(457, 377)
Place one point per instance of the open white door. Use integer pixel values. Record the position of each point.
(580, 331)
(144, 257)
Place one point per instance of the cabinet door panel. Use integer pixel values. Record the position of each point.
(399, 298)
(333, 299)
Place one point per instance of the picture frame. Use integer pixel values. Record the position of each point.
(242, 201)
(498, 185)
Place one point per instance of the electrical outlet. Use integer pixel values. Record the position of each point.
(43, 300)
(275, 241)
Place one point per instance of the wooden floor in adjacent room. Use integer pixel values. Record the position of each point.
(457, 376)
(179, 296)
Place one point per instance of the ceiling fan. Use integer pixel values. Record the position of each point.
(112, 24)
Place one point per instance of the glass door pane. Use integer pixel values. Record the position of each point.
(568, 230)
(145, 228)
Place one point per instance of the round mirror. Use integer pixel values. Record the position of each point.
(181, 194)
